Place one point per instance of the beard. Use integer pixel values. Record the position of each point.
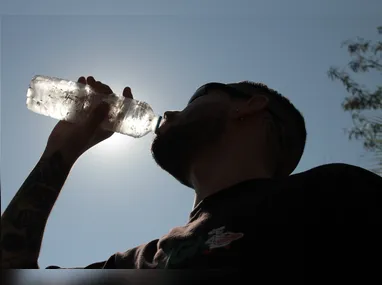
(183, 143)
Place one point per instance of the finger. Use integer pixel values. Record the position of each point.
(127, 93)
(82, 80)
(103, 88)
(107, 89)
(98, 86)
(91, 81)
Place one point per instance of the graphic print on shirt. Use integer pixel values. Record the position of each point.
(188, 249)
(219, 238)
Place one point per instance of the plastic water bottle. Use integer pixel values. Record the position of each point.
(72, 101)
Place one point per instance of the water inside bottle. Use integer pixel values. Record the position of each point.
(138, 120)
(72, 101)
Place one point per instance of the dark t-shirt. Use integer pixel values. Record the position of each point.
(316, 221)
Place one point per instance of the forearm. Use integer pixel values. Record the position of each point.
(23, 222)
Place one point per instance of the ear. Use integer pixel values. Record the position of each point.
(254, 105)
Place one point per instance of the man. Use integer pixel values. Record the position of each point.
(236, 146)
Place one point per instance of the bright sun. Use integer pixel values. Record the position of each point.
(115, 143)
(111, 150)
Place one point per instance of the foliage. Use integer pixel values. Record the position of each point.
(366, 57)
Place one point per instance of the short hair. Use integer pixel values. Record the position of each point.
(294, 135)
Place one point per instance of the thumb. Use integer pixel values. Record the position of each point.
(97, 116)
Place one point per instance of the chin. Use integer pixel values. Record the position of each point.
(172, 155)
(176, 146)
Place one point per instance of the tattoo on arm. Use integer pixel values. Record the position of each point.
(23, 222)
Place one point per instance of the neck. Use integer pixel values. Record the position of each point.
(217, 172)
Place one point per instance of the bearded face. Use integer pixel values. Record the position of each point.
(187, 134)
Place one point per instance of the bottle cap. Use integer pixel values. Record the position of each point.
(158, 124)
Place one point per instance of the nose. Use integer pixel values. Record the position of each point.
(170, 115)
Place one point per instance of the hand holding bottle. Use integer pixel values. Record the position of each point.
(73, 139)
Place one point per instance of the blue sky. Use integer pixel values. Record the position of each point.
(116, 197)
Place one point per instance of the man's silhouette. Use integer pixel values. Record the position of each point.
(236, 146)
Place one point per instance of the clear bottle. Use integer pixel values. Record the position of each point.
(72, 101)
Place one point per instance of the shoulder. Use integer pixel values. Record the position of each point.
(342, 175)
(342, 168)
(354, 192)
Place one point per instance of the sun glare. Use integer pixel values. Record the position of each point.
(115, 143)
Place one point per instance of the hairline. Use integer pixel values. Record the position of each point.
(281, 109)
